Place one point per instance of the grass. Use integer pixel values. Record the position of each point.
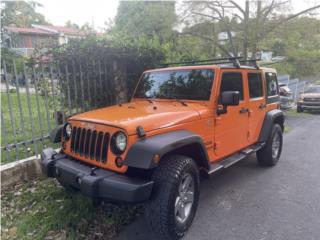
(294, 113)
(287, 128)
(44, 210)
(40, 128)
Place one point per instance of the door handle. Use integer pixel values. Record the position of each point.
(262, 106)
(244, 110)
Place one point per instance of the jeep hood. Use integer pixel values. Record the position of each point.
(151, 116)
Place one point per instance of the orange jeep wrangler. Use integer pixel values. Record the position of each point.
(196, 117)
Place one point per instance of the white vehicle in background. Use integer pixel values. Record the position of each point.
(286, 96)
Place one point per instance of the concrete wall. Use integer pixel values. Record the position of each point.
(23, 170)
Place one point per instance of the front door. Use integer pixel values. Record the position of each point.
(231, 128)
(257, 104)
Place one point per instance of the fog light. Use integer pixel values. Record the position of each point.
(156, 158)
(119, 162)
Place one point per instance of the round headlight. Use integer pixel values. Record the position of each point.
(67, 130)
(119, 142)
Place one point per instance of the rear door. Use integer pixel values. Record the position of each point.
(257, 104)
(231, 128)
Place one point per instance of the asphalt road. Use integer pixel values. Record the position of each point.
(247, 202)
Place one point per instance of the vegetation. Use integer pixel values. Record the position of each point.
(21, 14)
(24, 127)
(249, 29)
(44, 210)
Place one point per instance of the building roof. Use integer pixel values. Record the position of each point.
(60, 29)
(48, 30)
(28, 30)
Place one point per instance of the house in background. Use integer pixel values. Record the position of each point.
(64, 34)
(25, 40)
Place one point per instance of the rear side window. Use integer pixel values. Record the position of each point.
(272, 86)
(255, 85)
(232, 81)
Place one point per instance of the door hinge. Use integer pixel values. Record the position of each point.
(217, 120)
(216, 145)
(248, 134)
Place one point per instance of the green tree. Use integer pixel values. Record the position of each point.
(70, 24)
(21, 13)
(146, 18)
(299, 41)
(246, 26)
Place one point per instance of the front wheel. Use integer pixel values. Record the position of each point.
(175, 196)
(269, 155)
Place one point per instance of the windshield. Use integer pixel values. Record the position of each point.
(180, 84)
(315, 89)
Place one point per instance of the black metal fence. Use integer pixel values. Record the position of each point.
(37, 97)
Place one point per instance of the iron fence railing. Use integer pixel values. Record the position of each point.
(36, 98)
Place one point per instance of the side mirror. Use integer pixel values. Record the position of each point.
(228, 98)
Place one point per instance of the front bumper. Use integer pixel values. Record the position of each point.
(95, 182)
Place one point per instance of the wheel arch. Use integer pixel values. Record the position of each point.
(194, 151)
(141, 154)
(272, 117)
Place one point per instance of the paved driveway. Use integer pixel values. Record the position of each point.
(248, 202)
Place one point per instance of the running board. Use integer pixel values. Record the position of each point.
(234, 158)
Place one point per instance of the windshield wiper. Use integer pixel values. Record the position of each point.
(150, 99)
(179, 100)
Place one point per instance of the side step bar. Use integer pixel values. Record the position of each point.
(234, 158)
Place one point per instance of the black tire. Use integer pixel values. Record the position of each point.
(161, 209)
(266, 156)
(299, 109)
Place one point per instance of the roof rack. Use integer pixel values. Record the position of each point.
(252, 62)
(234, 60)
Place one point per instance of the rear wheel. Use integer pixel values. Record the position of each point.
(175, 196)
(269, 155)
(299, 109)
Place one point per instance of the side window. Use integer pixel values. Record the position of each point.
(271, 82)
(232, 81)
(255, 85)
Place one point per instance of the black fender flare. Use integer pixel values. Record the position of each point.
(140, 154)
(271, 117)
(56, 134)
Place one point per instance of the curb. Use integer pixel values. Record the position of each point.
(22, 170)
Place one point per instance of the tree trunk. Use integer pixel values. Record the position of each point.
(245, 37)
(120, 81)
(257, 31)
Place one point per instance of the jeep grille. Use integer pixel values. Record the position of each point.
(90, 143)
